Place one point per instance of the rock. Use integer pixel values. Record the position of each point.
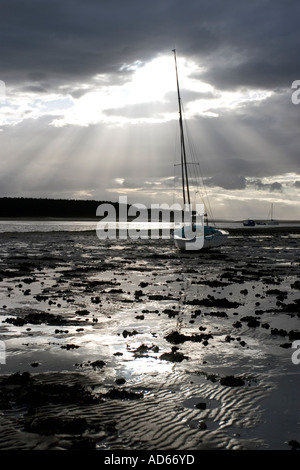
(129, 333)
(276, 331)
(294, 444)
(82, 312)
(98, 363)
(121, 394)
(231, 381)
(143, 284)
(69, 346)
(201, 406)
(253, 323)
(293, 335)
(120, 381)
(173, 356)
(177, 338)
(296, 285)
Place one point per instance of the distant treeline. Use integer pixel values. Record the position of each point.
(61, 208)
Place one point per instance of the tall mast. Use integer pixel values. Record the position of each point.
(184, 173)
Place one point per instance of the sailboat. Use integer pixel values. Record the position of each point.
(271, 221)
(193, 236)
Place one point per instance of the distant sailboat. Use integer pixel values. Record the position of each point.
(193, 237)
(271, 221)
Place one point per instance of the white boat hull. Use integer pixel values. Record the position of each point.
(211, 240)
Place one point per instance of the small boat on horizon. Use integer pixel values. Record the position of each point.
(249, 223)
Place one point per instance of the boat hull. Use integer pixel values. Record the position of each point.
(212, 238)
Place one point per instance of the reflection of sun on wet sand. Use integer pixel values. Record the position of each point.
(131, 345)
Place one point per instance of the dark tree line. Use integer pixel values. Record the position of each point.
(31, 207)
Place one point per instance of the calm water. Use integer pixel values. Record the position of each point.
(79, 225)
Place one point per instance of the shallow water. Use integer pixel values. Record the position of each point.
(81, 300)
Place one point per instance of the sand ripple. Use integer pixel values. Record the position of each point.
(77, 313)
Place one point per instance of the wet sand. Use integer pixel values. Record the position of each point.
(132, 345)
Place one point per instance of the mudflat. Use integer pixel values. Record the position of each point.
(130, 344)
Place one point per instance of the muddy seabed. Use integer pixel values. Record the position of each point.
(133, 345)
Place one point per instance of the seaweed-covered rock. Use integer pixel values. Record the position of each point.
(36, 318)
(177, 338)
(173, 356)
(121, 394)
(231, 381)
(295, 445)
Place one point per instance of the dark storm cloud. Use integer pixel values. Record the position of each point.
(276, 187)
(239, 42)
(69, 46)
(227, 181)
(71, 39)
(259, 185)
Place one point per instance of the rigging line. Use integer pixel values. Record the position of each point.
(199, 177)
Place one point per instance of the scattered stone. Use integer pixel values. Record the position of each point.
(212, 302)
(202, 425)
(279, 332)
(170, 312)
(143, 284)
(36, 318)
(98, 363)
(286, 345)
(140, 317)
(201, 406)
(143, 349)
(231, 381)
(294, 335)
(82, 312)
(229, 338)
(121, 394)
(69, 346)
(253, 323)
(177, 338)
(218, 314)
(295, 445)
(173, 356)
(129, 333)
(120, 381)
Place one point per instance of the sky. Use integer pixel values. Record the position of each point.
(88, 101)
